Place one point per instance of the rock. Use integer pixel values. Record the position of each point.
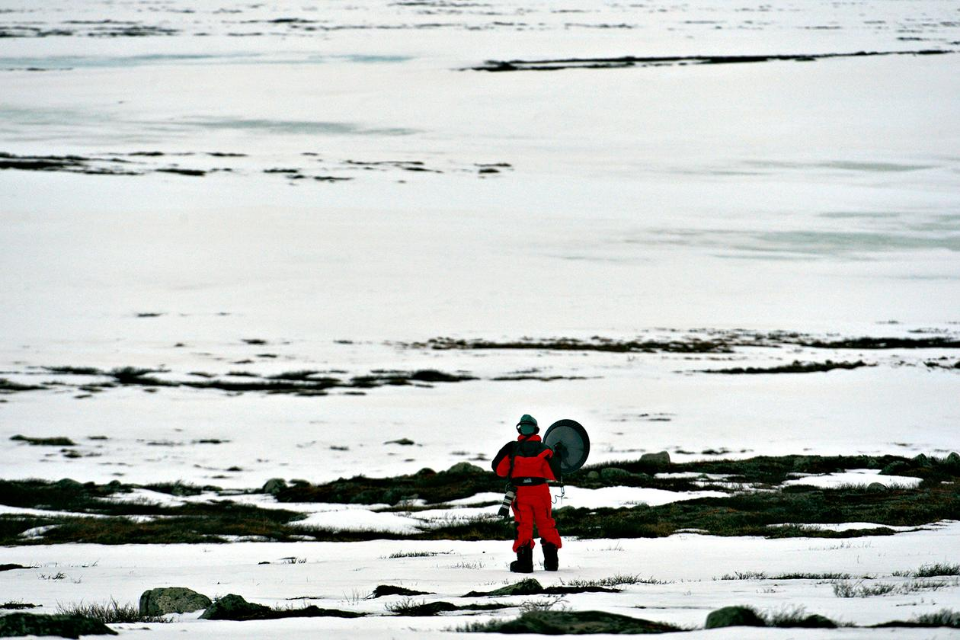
(922, 460)
(234, 607)
(466, 468)
(734, 617)
(897, 468)
(273, 486)
(661, 458)
(390, 590)
(65, 626)
(876, 486)
(613, 474)
(816, 621)
(69, 484)
(526, 587)
(953, 458)
(403, 442)
(427, 609)
(578, 623)
(593, 475)
(163, 600)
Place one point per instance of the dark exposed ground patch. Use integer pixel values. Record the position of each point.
(705, 342)
(795, 367)
(427, 609)
(234, 607)
(661, 61)
(751, 513)
(17, 606)
(763, 472)
(382, 590)
(694, 345)
(303, 383)
(8, 386)
(571, 623)
(91, 165)
(868, 343)
(45, 442)
(532, 587)
(11, 567)
(64, 626)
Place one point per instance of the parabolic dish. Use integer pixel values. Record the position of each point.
(574, 443)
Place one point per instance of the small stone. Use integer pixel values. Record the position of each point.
(593, 475)
(614, 474)
(526, 587)
(953, 458)
(734, 617)
(466, 468)
(922, 460)
(234, 607)
(876, 486)
(164, 600)
(896, 468)
(660, 458)
(273, 486)
(382, 590)
(816, 621)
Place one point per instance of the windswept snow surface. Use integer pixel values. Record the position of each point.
(855, 477)
(319, 186)
(687, 576)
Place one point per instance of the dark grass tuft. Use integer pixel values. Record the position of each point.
(111, 612)
(937, 569)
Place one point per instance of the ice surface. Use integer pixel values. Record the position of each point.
(817, 197)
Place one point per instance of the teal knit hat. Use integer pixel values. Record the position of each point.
(528, 425)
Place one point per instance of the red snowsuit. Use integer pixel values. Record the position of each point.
(527, 463)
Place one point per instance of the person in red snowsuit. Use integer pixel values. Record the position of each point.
(529, 464)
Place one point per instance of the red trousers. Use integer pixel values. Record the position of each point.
(534, 506)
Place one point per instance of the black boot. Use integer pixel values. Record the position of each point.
(524, 561)
(550, 561)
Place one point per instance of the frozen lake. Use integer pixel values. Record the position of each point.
(216, 187)
(241, 241)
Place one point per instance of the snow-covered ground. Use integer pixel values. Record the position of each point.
(819, 197)
(684, 573)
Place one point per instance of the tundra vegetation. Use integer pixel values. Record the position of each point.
(757, 503)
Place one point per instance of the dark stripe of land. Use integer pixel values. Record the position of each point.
(660, 61)
(756, 503)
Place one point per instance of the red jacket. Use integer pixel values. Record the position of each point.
(531, 459)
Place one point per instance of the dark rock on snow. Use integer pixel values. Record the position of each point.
(389, 590)
(660, 458)
(428, 609)
(163, 600)
(234, 607)
(526, 587)
(734, 617)
(273, 486)
(577, 623)
(465, 468)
